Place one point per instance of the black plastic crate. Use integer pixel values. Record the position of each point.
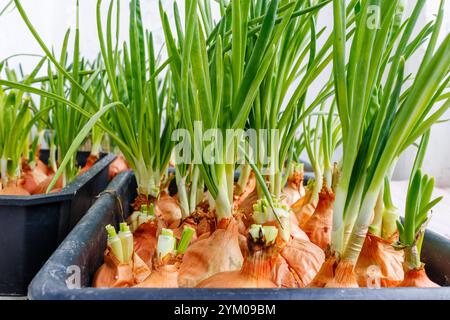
(34, 226)
(84, 247)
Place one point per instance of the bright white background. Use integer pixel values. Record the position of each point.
(53, 17)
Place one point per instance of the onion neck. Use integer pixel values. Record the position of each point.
(4, 171)
(359, 232)
(258, 264)
(412, 258)
(194, 190)
(377, 223)
(222, 201)
(148, 180)
(244, 176)
(182, 194)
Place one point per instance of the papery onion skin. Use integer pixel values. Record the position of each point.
(319, 225)
(304, 258)
(255, 271)
(418, 278)
(303, 209)
(219, 252)
(282, 275)
(31, 178)
(379, 253)
(42, 167)
(344, 276)
(42, 187)
(145, 241)
(117, 166)
(12, 189)
(325, 274)
(248, 190)
(245, 204)
(113, 274)
(294, 189)
(91, 160)
(141, 270)
(168, 210)
(165, 276)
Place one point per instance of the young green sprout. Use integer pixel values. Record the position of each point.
(390, 213)
(114, 243)
(186, 238)
(126, 238)
(263, 212)
(268, 234)
(417, 216)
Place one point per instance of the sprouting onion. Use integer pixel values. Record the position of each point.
(17, 121)
(223, 78)
(380, 116)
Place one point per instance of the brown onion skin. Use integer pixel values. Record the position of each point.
(145, 241)
(418, 278)
(344, 276)
(117, 166)
(380, 253)
(168, 210)
(219, 252)
(335, 274)
(42, 187)
(14, 190)
(282, 275)
(294, 189)
(255, 271)
(325, 274)
(113, 274)
(318, 226)
(248, 189)
(304, 260)
(91, 160)
(165, 276)
(43, 168)
(303, 209)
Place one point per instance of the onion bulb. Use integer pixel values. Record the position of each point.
(257, 266)
(168, 210)
(117, 166)
(303, 259)
(42, 187)
(379, 256)
(255, 273)
(294, 189)
(145, 241)
(303, 209)
(417, 278)
(91, 160)
(318, 226)
(164, 276)
(114, 274)
(207, 256)
(13, 189)
(344, 276)
(325, 274)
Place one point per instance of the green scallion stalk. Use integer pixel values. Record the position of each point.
(126, 238)
(390, 213)
(185, 240)
(114, 243)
